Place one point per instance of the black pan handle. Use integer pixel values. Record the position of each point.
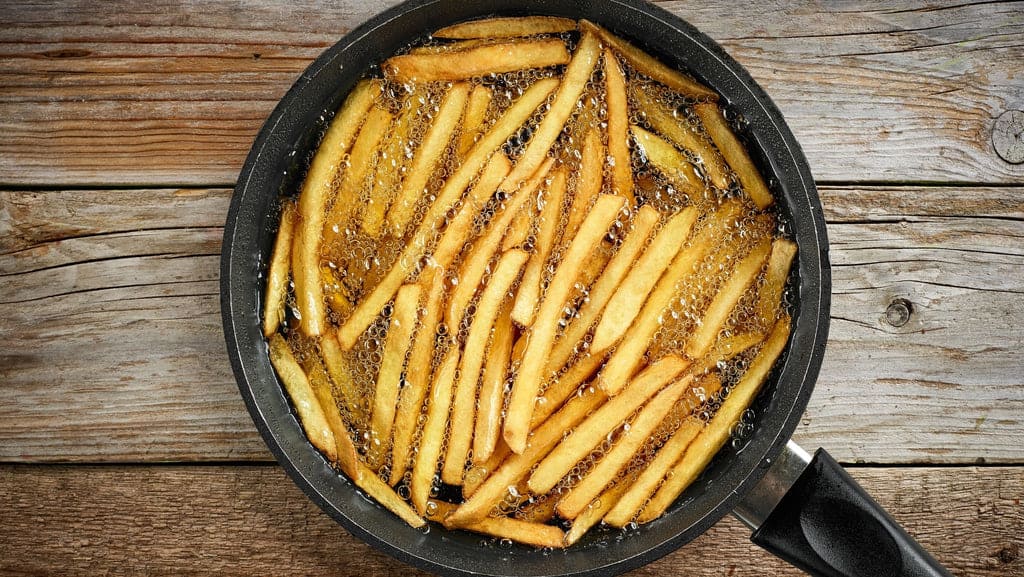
(827, 525)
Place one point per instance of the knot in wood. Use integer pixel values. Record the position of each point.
(1008, 136)
(898, 312)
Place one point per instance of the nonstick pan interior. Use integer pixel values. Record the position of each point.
(275, 167)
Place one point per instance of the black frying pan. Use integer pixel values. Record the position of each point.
(812, 524)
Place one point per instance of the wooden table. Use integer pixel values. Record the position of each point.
(126, 448)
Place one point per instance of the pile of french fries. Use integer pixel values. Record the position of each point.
(524, 384)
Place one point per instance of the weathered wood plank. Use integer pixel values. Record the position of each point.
(187, 520)
(113, 93)
(109, 326)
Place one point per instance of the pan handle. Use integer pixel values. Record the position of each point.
(827, 525)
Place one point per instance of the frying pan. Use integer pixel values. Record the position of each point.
(811, 514)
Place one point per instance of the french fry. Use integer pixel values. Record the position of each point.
(618, 128)
(475, 261)
(473, 123)
(389, 377)
(729, 294)
(488, 421)
(341, 376)
(603, 421)
(530, 375)
(541, 510)
(317, 192)
(634, 289)
(593, 514)
(588, 180)
(716, 433)
(519, 229)
(507, 27)
(339, 297)
(564, 387)
(460, 438)
(345, 456)
(421, 355)
(605, 286)
(686, 137)
(515, 467)
(574, 81)
(649, 66)
(726, 348)
(550, 220)
(430, 151)
(479, 472)
(432, 436)
(770, 296)
(382, 493)
(627, 445)
(392, 163)
(371, 304)
(626, 358)
(311, 414)
(476, 61)
(533, 533)
(278, 271)
(669, 162)
(734, 152)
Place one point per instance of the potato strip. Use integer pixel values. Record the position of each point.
(477, 61)
(711, 438)
(487, 427)
(735, 154)
(428, 454)
(391, 165)
(650, 66)
(633, 290)
(506, 27)
(345, 456)
(341, 376)
(529, 532)
(431, 150)
(618, 128)
(670, 162)
(369, 307)
(278, 271)
(317, 191)
(389, 377)
(550, 221)
(473, 122)
(542, 334)
(588, 180)
(311, 414)
(460, 437)
(380, 491)
(479, 472)
(593, 514)
(770, 298)
(602, 422)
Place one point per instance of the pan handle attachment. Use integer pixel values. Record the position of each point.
(827, 525)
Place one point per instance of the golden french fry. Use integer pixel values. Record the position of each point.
(507, 27)
(626, 358)
(479, 472)
(432, 437)
(317, 192)
(410, 401)
(716, 433)
(392, 163)
(533, 533)
(588, 180)
(389, 377)
(430, 151)
(603, 421)
(670, 162)
(475, 262)
(605, 286)
(649, 66)
(769, 298)
(627, 445)
(477, 61)
(346, 456)
(593, 513)
(548, 227)
(618, 128)
(382, 493)
(460, 438)
(277, 273)
(341, 376)
(564, 387)
(515, 467)
(473, 123)
(574, 81)
(679, 130)
(311, 414)
(634, 289)
(372, 303)
(735, 154)
(530, 375)
(492, 386)
(519, 229)
(721, 306)
(339, 297)
(460, 229)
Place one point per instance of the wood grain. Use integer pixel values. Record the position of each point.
(172, 93)
(111, 346)
(238, 520)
